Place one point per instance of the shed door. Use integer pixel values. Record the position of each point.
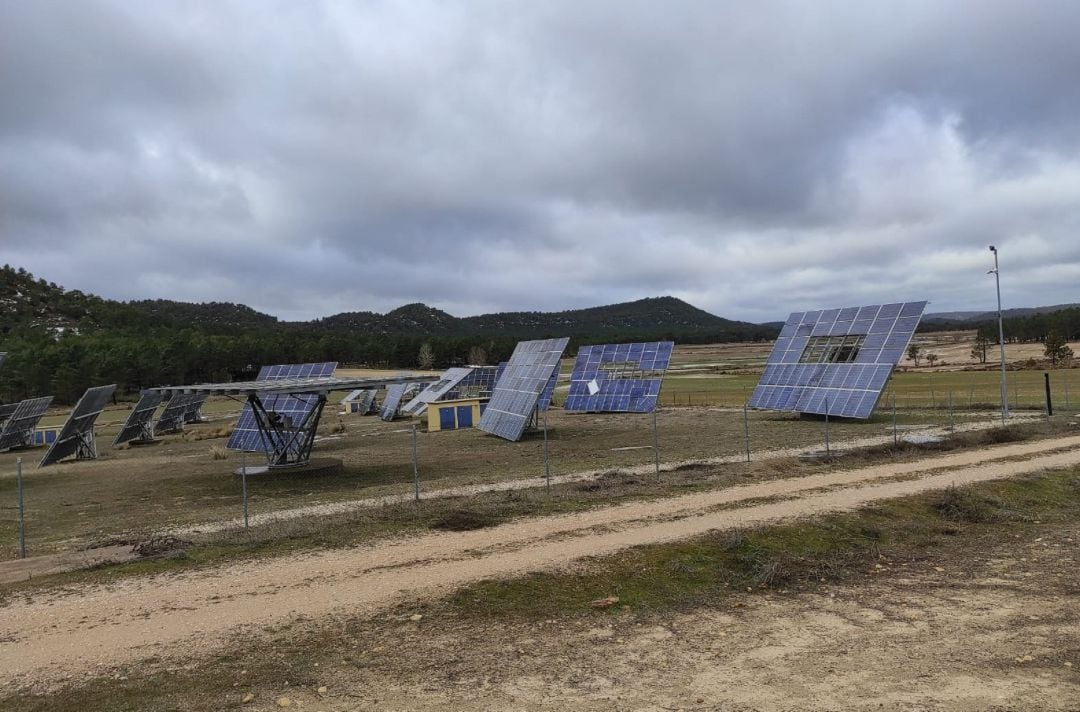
(464, 416)
(446, 418)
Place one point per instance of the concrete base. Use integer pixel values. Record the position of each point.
(314, 467)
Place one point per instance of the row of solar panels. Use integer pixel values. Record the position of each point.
(18, 421)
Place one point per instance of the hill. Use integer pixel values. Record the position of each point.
(61, 341)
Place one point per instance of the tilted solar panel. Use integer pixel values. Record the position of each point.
(172, 417)
(395, 392)
(246, 435)
(450, 380)
(77, 435)
(137, 426)
(518, 391)
(836, 360)
(6, 411)
(616, 378)
(18, 430)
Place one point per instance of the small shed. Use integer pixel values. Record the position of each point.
(454, 414)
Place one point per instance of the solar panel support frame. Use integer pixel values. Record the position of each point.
(289, 447)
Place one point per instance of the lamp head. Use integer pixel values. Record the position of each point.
(993, 249)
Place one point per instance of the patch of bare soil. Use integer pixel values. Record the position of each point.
(990, 625)
(50, 637)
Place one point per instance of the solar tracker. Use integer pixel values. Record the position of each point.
(172, 418)
(549, 391)
(618, 378)
(138, 425)
(449, 380)
(394, 394)
(361, 401)
(517, 393)
(18, 430)
(290, 412)
(6, 411)
(193, 410)
(246, 435)
(836, 359)
(77, 436)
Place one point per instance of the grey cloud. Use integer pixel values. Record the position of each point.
(494, 156)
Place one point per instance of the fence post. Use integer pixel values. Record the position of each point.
(1049, 402)
(746, 431)
(415, 468)
(243, 484)
(656, 445)
(547, 463)
(22, 509)
(828, 454)
(895, 437)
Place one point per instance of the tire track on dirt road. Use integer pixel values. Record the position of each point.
(186, 615)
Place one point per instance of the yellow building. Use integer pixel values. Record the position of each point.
(454, 414)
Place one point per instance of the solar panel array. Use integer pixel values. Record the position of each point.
(246, 435)
(77, 435)
(517, 393)
(292, 409)
(18, 430)
(618, 378)
(137, 426)
(437, 390)
(836, 361)
(549, 391)
(172, 418)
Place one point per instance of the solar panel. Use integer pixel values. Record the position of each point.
(618, 378)
(517, 393)
(246, 435)
(172, 418)
(6, 411)
(138, 426)
(292, 409)
(549, 391)
(77, 436)
(193, 410)
(394, 394)
(836, 360)
(436, 391)
(18, 430)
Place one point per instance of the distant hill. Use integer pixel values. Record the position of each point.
(959, 317)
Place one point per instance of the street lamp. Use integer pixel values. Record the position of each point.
(1001, 339)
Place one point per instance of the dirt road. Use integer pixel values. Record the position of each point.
(49, 637)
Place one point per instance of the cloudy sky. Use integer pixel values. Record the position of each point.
(751, 158)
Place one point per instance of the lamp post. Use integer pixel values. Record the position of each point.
(1001, 338)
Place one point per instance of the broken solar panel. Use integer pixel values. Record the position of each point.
(836, 361)
(517, 393)
(246, 435)
(77, 436)
(138, 426)
(18, 430)
(618, 378)
(452, 378)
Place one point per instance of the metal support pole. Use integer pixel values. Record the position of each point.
(1049, 402)
(746, 431)
(22, 509)
(547, 460)
(827, 452)
(656, 445)
(895, 436)
(243, 484)
(415, 468)
(1001, 340)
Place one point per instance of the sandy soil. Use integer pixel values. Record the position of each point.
(954, 348)
(51, 636)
